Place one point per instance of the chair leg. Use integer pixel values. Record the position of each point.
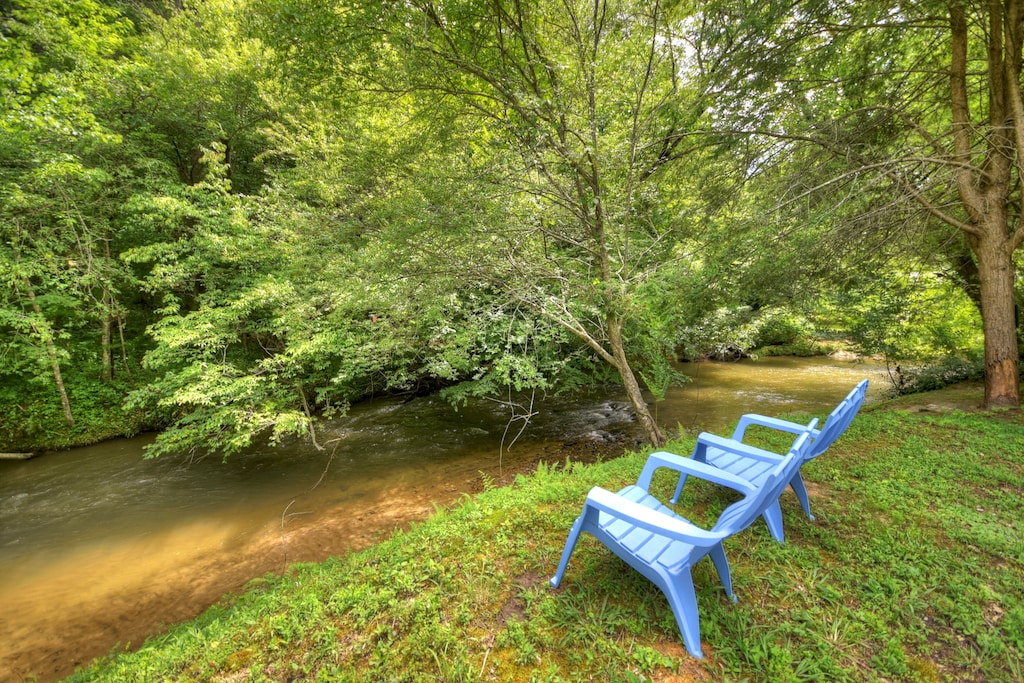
(773, 516)
(699, 456)
(797, 482)
(570, 545)
(679, 489)
(722, 567)
(683, 601)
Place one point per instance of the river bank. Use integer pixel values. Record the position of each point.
(913, 505)
(34, 425)
(102, 595)
(72, 522)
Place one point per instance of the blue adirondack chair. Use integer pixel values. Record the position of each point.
(663, 546)
(754, 466)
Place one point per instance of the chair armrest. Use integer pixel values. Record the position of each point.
(705, 441)
(770, 422)
(677, 529)
(693, 467)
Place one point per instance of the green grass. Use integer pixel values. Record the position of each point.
(913, 571)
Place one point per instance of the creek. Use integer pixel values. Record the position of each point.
(100, 547)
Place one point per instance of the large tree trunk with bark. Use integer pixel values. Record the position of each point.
(987, 185)
(996, 274)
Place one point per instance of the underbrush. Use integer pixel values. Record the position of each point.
(802, 348)
(912, 571)
(31, 417)
(934, 376)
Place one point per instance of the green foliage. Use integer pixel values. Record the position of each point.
(893, 160)
(936, 375)
(724, 334)
(572, 111)
(287, 206)
(730, 333)
(204, 81)
(32, 420)
(262, 329)
(225, 317)
(59, 283)
(489, 349)
(907, 317)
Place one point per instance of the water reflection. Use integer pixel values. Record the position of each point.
(99, 546)
(721, 392)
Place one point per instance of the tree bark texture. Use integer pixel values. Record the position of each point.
(987, 162)
(106, 347)
(996, 273)
(632, 386)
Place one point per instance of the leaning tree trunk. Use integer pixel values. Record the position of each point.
(643, 413)
(51, 352)
(632, 386)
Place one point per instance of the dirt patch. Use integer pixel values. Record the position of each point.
(688, 669)
(514, 608)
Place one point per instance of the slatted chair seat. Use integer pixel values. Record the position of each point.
(649, 546)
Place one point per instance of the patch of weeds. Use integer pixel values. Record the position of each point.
(515, 639)
(648, 659)
(891, 659)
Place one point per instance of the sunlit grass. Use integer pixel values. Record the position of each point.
(913, 571)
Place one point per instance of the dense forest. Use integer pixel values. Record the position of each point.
(227, 219)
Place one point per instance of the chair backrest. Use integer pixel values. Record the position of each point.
(856, 399)
(838, 420)
(742, 513)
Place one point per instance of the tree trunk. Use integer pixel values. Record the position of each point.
(51, 352)
(107, 347)
(107, 308)
(996, 275)
(985, 187)
(632, 386)
(124, 348)
(643, 413)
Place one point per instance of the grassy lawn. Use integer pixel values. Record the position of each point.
(913, 571)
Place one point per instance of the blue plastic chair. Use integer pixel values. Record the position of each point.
(662, 545)
(754, 466)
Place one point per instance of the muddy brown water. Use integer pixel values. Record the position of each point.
(100, 548)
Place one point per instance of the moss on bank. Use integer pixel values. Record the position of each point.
(31, 418)
(913, 571)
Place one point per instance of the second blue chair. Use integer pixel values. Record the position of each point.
(754, 466)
